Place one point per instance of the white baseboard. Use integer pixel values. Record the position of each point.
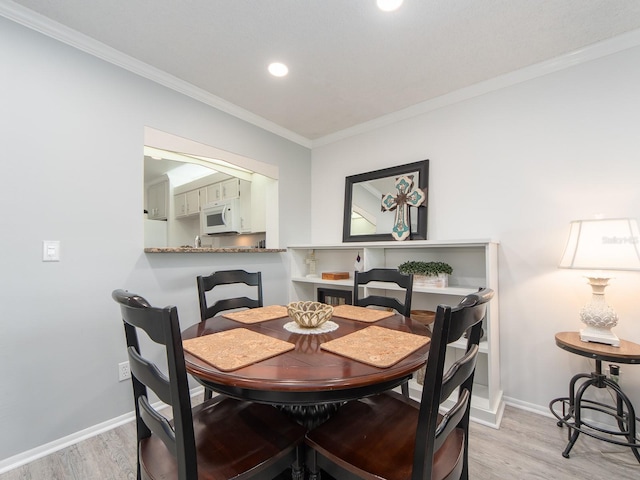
(52, 447)
(529, 407)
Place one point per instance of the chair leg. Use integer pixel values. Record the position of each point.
(312, 464)
(405, 389)
(207, 394)
(297, 469)
(465, 455)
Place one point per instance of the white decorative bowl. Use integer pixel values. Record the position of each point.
(309, 314)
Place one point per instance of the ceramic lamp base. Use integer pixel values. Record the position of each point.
(599, 335)
(598, 317)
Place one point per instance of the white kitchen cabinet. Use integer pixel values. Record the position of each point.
(187, 204)
(180, 205)
(194, 201)
(226, 190)
(157, 201)
(230, 189)
(258, 204)
(213, 192)
(475, 265)
(246, 212)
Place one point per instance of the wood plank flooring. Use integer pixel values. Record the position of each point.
(527, 446)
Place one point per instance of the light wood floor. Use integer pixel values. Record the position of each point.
(527, 446)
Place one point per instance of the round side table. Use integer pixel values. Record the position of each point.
(574, 405)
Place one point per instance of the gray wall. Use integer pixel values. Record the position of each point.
(72, 138)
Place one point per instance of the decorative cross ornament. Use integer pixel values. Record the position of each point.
(407, 196)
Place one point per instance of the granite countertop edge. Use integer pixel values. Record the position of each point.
(211, 250)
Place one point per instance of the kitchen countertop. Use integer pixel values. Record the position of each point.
(212, 250)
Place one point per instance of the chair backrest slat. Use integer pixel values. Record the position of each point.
(458, 372)
(451, 419)
(158, 424)
(149, 375)
(232, 303)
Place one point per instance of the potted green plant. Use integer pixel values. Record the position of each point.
(433, 274)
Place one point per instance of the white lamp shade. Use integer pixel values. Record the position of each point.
(607, 244)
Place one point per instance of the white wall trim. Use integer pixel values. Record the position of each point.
(29, 456)
(64, 34)
(52, 447)
(529, 407)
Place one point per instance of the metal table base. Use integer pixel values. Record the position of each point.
(574, 406)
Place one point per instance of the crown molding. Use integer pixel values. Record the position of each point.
(48, 27)
(592, 52)
(82, 42)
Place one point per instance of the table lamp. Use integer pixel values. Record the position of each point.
(600, 246)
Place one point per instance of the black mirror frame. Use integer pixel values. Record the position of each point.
(422, 167)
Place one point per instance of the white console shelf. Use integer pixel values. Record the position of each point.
(475, 265)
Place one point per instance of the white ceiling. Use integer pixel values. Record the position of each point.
(349, 62)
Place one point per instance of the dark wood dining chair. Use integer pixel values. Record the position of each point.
(220, 439)
(228, 277)
(390, 437)
(387, 275)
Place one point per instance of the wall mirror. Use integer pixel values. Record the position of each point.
(364, 220)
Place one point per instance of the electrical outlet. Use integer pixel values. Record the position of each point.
(124, 371)
(614, 373)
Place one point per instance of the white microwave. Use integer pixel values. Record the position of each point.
(220, 217)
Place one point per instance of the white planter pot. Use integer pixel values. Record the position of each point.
(440, 280)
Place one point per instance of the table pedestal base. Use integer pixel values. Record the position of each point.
(310, 416)
(574, 406)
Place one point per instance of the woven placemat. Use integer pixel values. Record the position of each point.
(237, 348)
(377, 346)
(361, 314)
(256, 315)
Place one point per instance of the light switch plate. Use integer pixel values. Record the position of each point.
(50, 250)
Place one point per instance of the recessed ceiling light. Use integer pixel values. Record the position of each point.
(278, 69)
(389, 5)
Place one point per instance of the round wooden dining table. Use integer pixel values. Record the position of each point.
(308, 382)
